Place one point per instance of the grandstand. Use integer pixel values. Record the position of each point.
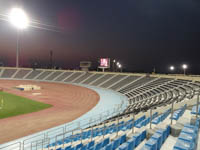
(162, 112)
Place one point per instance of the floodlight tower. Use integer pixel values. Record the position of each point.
(113, 65)
(20, 20)
(184, 66)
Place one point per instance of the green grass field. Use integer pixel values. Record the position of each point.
(13, 105)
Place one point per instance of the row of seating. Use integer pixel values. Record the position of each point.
(188, 138)
(133, 142)
(161, 117)
(194, 110)
(158, 94)
(178, 113)
(97, 146)
(121, 126)
(120, 143)
(157, 139)
(146, 121)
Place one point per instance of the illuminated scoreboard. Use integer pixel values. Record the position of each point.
(104, 63)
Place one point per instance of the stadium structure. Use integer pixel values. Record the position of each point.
(134, 112)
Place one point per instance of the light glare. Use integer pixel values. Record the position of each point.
(172, 68)
(19, 18)
(185, 66)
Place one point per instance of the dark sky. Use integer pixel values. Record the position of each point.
(141, 34)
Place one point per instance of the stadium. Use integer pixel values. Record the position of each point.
(113, 111)
(77, 75)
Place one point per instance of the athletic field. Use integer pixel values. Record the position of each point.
(12, 105)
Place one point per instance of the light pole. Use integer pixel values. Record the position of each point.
(113, 65)
(20, 20)
(184, 66)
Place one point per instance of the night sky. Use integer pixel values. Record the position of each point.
(141, 34)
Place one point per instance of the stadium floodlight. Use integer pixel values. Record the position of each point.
(184, 66)
(119, 65)
(172, 68)
(20, 20)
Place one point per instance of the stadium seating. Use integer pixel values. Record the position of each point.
(143, 92)
(156, 141)
(194, 110)
(188, 137)
(178, 113)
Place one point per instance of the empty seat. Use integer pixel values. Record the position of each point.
(131, 144)
(137, 138)
(123, 146)
(158, 138)
(90, 144)
(108, 147)
(183, 145)
(105, 142)
(152, 144)
(116, 144)
(98, 146)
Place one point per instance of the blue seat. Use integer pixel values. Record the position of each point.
(138, 138)
(188, 130)
(84, 147)
(91, 148)
(193, 127)
(168, 130)
(72, 148)
(156, 120)
(194, 110)
(90, 144)
(131, 144)
(197, 124)
(145, 148)
(143, 135)
(163, 133)
(158, 137)
(152, 143)
(187, 137)
(139, 125)
(68, 147)
(122, 139)
(183, 145)
(123, 146)
(105, 142)
(116, 144)
(109, 146)
(98, 146)
(59, 148)
(78, 146)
